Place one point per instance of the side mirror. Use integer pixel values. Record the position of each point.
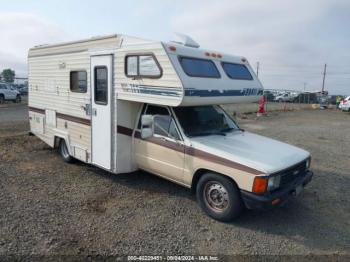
(146, 126)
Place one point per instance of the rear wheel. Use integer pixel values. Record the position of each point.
(2, 99)
(63, 149)
(219, 197)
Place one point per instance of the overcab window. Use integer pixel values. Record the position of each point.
(197, 67)
(237, 71)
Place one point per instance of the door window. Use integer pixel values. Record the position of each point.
(157, 110)
(163, 126)
(101, 85)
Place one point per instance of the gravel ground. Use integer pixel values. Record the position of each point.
(49, 207)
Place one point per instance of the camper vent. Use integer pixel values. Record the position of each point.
(185, 40)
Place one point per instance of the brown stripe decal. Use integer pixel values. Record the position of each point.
(124, 130)
(75, 119)
(200, 154)
(37, 110)
(219, 160)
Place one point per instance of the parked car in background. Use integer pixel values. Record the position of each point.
(269, 95)
(323, 101)
(23, 90)
(306, 98)
(284, 98)
(345, 104)
(8, 93)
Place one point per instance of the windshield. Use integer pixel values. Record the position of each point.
(204, 120)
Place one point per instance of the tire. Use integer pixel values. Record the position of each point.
(2, 99)
(18, 99)
(63, 150)
(219, 197)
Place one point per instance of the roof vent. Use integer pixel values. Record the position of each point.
(185, 40)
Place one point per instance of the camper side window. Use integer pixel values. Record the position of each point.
(78, 81)
(142, 66)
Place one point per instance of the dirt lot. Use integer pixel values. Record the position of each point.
(50, 207)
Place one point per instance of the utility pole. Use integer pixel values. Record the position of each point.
(257, 68)
(324, 76)
(304, 86)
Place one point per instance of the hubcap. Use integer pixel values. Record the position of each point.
(216, 196)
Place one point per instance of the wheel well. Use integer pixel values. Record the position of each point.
(2, 95)
(201, 172)
(57, 141)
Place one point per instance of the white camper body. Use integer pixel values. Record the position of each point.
(89, 128)
(123, 103)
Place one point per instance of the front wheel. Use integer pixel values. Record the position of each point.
(62, 148)
(219, 197)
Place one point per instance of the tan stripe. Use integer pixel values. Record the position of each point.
(201, 154)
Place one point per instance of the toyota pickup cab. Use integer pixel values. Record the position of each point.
(229, 168)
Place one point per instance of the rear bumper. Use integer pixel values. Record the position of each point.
(277, 198)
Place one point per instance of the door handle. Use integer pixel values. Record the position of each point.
(94, 112)
(87, 109)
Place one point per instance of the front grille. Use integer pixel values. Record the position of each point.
(290, 174)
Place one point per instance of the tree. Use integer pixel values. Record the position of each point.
(8, 75)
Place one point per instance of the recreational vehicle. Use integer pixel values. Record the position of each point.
(123, 104)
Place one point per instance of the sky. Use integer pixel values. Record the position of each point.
(291, 40)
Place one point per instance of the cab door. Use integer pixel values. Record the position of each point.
(164, 153)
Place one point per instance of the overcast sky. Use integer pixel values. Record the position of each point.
(292, 40)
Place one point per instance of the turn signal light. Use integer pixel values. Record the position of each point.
(172, 48)
(260, 185)
(276, 201)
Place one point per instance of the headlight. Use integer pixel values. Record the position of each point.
(273, 183)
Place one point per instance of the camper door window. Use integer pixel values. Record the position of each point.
(101, 85)
(78, 81)
(142, 66)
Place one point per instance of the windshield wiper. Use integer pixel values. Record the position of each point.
(219, 133)
(232, 129)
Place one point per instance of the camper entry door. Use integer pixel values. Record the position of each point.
(101, 86)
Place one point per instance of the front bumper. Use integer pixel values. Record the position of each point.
(277, 198)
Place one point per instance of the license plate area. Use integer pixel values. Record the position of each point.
(298, 190)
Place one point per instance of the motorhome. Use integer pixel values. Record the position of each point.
(123, 104)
